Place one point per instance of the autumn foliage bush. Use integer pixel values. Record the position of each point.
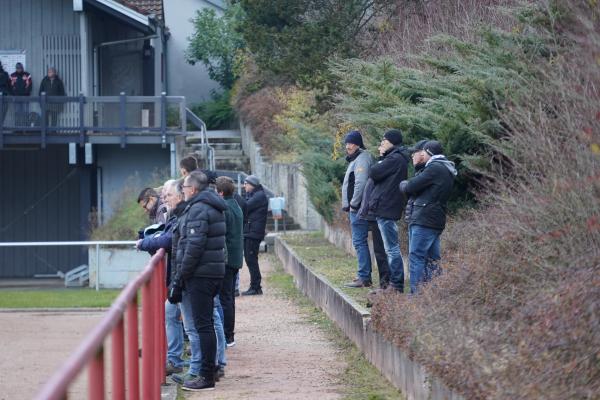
(516, 313)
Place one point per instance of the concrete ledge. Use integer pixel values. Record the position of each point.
(408, 376)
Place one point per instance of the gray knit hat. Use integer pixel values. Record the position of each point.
(253, 180)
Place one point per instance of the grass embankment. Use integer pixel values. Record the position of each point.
(57, 298)
(331, 262)
(360, 379)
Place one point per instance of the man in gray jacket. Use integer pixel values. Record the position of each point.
(355, 180)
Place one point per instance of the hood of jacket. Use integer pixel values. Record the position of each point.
(211, 198)
(445, 162)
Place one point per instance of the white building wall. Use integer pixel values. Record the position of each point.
(184, 79)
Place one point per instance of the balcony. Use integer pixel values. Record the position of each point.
(42, 120)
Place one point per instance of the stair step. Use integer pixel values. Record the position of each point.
(229, 153)
(226, 146)
(228, 156)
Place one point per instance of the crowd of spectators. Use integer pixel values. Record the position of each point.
(207, 230)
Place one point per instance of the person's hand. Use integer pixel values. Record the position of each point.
(138, 244)
(345, 209)
(403, 186)
(175, 293)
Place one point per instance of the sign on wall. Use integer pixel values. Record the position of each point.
(10, 58)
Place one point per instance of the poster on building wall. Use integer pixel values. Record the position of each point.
(10, 58)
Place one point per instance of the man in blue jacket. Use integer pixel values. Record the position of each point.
(175, 205)
(429, 190)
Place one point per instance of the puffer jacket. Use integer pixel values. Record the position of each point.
(234, 239)
(431, 190)
(355, 179)
(255, 214)
(199, 238)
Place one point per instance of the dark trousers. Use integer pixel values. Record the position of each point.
(251, 247)
(52, 118)
(228, 302)
(380, 255)
(202, 292)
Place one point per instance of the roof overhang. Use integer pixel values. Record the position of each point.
(118, 10)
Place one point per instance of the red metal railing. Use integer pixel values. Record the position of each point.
(120, 322)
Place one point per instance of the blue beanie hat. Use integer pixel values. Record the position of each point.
(354, 137)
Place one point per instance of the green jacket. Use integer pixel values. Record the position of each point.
(234, 238)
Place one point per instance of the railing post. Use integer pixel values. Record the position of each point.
(148, 342)
(123, 118)
(133, 362)
(163, 341)
(163, 119)
(118, 361)
(43, 108)
(2, 115)
(96, 376)
(81, 120)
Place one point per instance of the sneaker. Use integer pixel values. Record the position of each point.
(199, 384)
(252, 292)
(236, 293)
(230, 343)
(359, 284)
(180, 378)
(172, 369)
(220, 372)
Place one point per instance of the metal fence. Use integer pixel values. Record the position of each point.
(43, 119)
(121, 324)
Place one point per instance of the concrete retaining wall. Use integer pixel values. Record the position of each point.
(282, 179)
(408, 376)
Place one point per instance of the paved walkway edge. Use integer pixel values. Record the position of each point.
(408, 376)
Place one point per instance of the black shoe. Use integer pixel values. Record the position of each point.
(230, 341)
(219, 373)
(252, 292)
(359, 284)
(172, 369)
(236, 293)
(199, 384)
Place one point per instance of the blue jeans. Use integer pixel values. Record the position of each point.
(424, 255)
(360, 235)
(174, 334)
(191, 332)
(220, 332)
(389, 233)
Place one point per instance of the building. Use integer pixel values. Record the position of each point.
(54, 179)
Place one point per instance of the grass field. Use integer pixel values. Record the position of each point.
(57, 298)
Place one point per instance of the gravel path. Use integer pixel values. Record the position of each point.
(278, 354)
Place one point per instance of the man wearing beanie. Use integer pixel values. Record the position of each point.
(355, 179)
(255, 223)
(387, 202)
(430, 190)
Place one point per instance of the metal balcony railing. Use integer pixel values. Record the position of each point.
(95, 119)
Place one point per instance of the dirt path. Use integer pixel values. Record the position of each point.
(278, 354)
(33, 345)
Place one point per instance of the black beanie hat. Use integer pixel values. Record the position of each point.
(418, 146)
(394, 136)
(354, 137)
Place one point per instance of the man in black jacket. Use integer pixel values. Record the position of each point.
(430, 190)
(53, 86)
(20, 85)
(4, 91)
(386, 202)
(200, 267)
(255, 223)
